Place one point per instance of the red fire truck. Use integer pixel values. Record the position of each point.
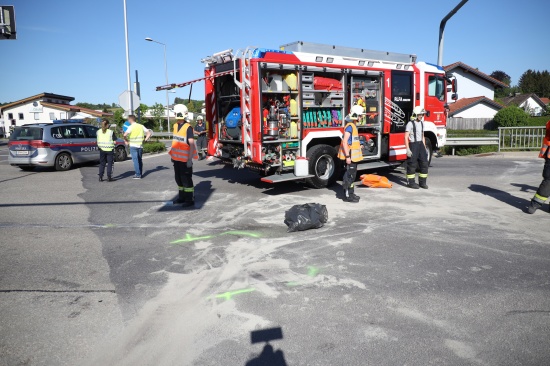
(281, 111)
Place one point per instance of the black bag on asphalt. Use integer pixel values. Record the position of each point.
(306, 216)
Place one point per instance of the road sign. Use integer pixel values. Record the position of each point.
(124, 100)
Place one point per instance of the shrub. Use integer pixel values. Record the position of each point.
(511, 116)
(150, 147)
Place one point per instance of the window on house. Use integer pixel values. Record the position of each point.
(10, 115)
(21, 117)
(37, 116)
(52, 116)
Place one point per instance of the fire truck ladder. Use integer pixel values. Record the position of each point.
(245, 86)
(181, 85)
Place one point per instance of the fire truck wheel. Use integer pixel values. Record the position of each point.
(322, 165)
(429, 150)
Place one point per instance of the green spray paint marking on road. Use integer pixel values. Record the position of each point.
(243, 233)
(312, 271)
(189, 238)
(229, 294)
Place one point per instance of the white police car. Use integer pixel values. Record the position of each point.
(56, 144)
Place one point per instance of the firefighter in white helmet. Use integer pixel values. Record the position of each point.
(182, 152)
(415, 141)
(350, 152)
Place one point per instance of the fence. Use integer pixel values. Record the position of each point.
(520, 138)
(470, 124)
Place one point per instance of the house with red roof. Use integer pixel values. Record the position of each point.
(530, 103)
(475, 107)
(45, 108)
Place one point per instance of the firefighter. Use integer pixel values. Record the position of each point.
(416, 150)
(200, 131)
(543, 192)
(350, 152)
(183, 152)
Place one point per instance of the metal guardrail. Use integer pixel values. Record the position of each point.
(508, 138)
(470, 141)
(520, 138)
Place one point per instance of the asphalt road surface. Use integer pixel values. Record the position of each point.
(99, 273)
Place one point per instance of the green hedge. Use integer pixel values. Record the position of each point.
(152, 147)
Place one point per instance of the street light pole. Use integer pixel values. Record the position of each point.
(166, 74)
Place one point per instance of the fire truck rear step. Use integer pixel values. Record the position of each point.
(378, 164)
(286, 177)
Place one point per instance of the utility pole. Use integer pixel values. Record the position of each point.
(442, 30)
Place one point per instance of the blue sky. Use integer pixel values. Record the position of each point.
(77, 48)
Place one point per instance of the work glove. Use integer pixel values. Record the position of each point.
(409, 153)
(189, 163)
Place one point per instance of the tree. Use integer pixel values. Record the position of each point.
(535, 82)
(194, 106)
(158, 112)
(118, 117)
(506, 79)
(511, 116)
(501, 76)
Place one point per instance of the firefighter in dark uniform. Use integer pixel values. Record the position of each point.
(182, 152)
(543, 192)
(416, 150)
(350, 152)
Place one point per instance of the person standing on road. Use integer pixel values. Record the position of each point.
(106, 144)
(134, 135)
(416, 150)
(350, 152)
(200, 131)
(543, 192)
(182, 152)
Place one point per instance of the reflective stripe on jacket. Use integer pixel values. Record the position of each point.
(545, 149)
(355, 147)
(136, 135)
(180, 147)
(105, 140)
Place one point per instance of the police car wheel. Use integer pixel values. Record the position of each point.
(63, 162)
(120, 153)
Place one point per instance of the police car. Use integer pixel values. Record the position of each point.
(60, 145)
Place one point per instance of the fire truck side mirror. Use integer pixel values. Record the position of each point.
(454, 96)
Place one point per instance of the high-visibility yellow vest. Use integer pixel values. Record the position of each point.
(136, 135)
(545, 149)
(355, 147)
(180, 147)
(105, 140)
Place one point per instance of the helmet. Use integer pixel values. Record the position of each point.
(199, 118)
(181, 111)
(356, 111)
(418, 110)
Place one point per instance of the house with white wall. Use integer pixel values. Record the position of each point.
(473, 83)
(530, 103)
(475, 107)
(44, 108)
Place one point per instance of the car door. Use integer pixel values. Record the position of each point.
(89, 147)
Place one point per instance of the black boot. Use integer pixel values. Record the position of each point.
(110, 179)
(412, 184)
(533, 207)
(422, 183)
(101, 178)
(180, 199)
(188, 199)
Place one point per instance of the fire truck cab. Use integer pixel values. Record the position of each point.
(269, 109)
